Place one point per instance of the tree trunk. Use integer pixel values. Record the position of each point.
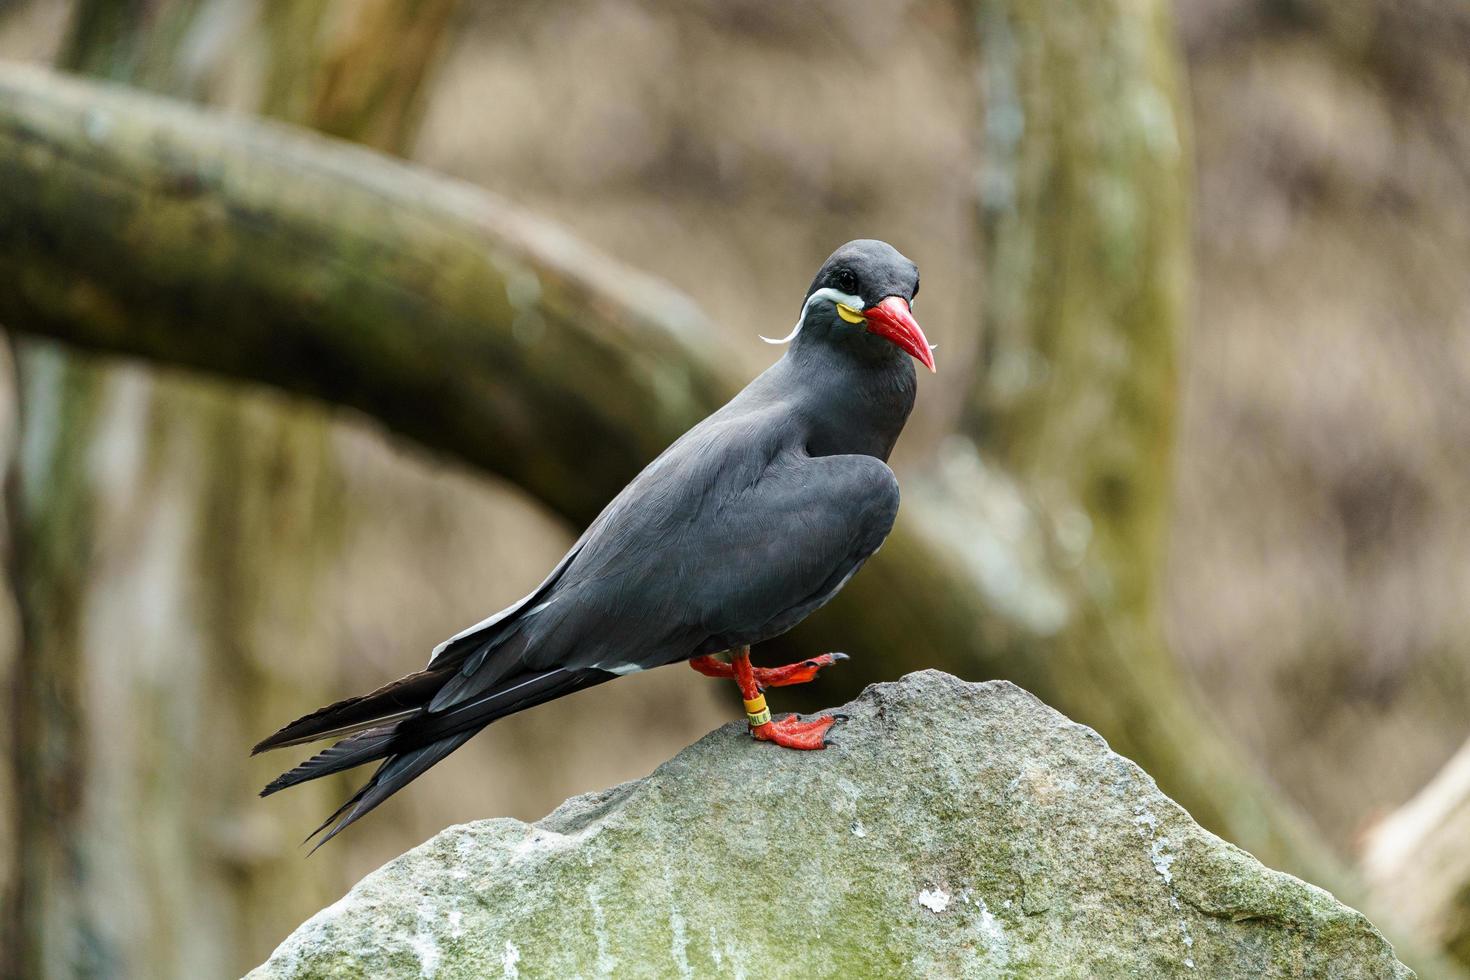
(1087, 250)
(151, 641)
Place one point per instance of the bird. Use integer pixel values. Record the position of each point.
(746, 524)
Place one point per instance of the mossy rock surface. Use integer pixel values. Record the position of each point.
(954, 830)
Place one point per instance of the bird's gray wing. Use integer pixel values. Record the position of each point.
(714, 552)
(789, 544)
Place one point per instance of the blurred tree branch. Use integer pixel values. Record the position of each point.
(134, 225)
(1417, 860)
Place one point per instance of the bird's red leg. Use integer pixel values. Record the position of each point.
(766, 677)
(790, 731)
(710, 667)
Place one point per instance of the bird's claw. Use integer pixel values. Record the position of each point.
(793, 733)
(838, 718)
(798, 673)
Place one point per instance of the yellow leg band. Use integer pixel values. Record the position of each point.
(756, 711)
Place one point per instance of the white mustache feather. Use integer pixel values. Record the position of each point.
(827, 293)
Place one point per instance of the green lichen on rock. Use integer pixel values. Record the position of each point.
(956, 829)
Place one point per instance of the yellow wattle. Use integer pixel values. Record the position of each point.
(849, 314)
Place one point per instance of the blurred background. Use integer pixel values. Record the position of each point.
(1199, 273)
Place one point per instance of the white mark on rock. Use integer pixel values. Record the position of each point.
(994, 933)
(1184, 932)
(858, 830)
(680, 942)
(935, 901)
(540, 840)
(427, 951)
(508, 961)
(721, 951)
(423, 943)
(456, 924)
(606, 962)
(1158, 853)
(1163, 860)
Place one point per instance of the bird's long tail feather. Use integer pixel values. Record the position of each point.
(396, 772)
(409, 737)
(350, 752)
(400, 699)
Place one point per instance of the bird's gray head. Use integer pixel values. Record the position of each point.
(863, 291)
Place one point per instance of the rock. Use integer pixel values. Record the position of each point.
(954, 830)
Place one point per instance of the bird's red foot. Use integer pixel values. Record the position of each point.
(790, 731)
(794, 733)
(798, 673)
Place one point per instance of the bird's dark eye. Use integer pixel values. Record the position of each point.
(846, 281)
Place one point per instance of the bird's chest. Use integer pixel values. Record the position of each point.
(858, 422)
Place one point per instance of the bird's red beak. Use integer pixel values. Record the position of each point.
(892, 320)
